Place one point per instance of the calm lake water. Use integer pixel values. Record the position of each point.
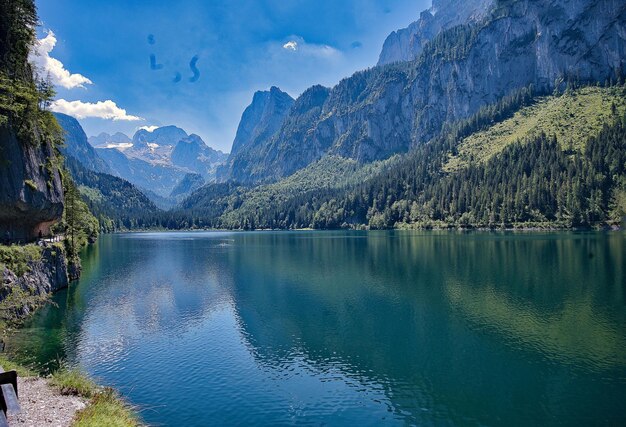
(349, 328)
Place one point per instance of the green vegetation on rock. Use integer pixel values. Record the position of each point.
(573, 118)
(16, 258)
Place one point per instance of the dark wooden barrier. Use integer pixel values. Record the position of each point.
(8, 396)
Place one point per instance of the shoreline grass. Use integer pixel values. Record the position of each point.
(105, 406)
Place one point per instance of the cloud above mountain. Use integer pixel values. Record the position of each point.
(46, 65)
(101, 109)
(297, 44)
(148, 128)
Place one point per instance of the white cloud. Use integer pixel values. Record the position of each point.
(101, 109)
(299, 45)
(291, 46)
(148, 128)
(40, 56)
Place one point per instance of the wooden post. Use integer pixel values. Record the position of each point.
(8, 392)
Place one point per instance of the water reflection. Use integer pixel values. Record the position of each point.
(415, 314)
(345, 328)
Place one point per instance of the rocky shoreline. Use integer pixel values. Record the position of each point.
(44, 405)
(21, 294)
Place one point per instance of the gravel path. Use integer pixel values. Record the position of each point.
(42, 405)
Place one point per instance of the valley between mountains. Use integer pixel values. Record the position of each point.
(454, 95)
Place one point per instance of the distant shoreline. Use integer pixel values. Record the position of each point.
(606, 228)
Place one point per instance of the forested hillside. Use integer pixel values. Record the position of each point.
(116, 203)
(540, 172)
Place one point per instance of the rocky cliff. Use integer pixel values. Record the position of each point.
(388, 109)
(293, 147)
(31, 192)
(407, 44)
(20, 295)
(259, 122)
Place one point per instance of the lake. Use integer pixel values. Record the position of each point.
(348, 328)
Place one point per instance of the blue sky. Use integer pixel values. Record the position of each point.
(103, 51)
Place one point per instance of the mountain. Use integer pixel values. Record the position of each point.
(116, 203)
(407, 44)
(160, 178)
(192, 153)
(393, 108)
(525, 161)
(166, 136)
(292, 147)
(155, 147)
(77, 145)
(259, 122)
(158, 161)
(105, 140)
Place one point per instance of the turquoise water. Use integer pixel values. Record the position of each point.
(349, 328)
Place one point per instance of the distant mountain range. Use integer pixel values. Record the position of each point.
(166, 164)
(167, 146)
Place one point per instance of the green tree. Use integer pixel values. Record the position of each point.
(79, 224)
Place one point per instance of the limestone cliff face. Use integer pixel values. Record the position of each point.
(46, 276)
(259, 122)
(520, 43)
(31, 191)
(78, 146)
(388, 109)
(407, 44)
(293, 147)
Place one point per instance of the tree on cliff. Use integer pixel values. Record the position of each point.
(79, 224)
(18, 19)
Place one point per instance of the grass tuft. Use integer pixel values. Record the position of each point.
(9, 365)
(107, 409)
(74, 382)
